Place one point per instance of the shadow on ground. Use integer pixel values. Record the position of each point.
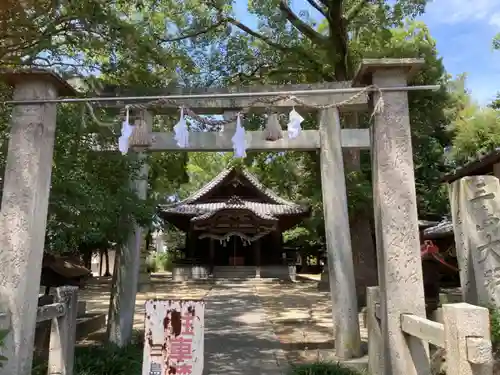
(243, 319)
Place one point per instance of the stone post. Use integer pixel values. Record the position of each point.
(338, 238)
(476, 217)
(63, 333)
(467, 339)
(395, 209)
(462, 245)
(24, 208)
(372, 321)
(127, 266)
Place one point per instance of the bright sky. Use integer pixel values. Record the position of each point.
(463, 29)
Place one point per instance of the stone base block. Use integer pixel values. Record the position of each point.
(324, 283)
(82, 308)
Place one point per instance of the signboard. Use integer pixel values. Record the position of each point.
(174, 335)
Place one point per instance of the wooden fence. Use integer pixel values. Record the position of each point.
(464, 334)
(63, 313)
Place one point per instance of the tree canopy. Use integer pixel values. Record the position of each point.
(146, 44)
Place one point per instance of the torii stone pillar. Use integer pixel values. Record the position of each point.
(127, 262)
(338, 238)
(395, 208)
(24, 208)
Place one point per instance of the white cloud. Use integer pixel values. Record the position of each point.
(456, 11)
(495, 20)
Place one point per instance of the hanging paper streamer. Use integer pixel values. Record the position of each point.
(273, 128)
(239, 140)
(126, 132)
(294, 128)
(181, 132)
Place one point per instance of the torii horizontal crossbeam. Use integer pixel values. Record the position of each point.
(308, 140)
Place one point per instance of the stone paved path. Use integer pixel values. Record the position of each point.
(239, 339)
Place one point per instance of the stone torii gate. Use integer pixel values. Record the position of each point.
(27, 185)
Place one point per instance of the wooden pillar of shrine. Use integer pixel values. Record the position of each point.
(212, 255)
(256, 249)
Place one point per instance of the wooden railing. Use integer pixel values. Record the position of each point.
(464, 334)
(63, 313)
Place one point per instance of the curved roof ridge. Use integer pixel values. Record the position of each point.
(218, 179)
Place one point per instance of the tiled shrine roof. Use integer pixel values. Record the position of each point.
(442, 229)
(264, 203)
(481, 165)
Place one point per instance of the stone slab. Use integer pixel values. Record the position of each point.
(475, 206)
(13, 77)
(367, 67)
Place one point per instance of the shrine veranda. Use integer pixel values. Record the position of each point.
(379, 87)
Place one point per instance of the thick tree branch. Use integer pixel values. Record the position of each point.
(255, 34)
(317, 6)
(355, 10)
(302, 54)
(300, 25)
(194, 34)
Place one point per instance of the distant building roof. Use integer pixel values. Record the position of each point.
(233, 190)
(442, 229)
(479, 166)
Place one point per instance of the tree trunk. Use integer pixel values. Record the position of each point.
(87, 259)
(106, 257)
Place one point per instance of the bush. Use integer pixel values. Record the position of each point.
(495, 327)
(322, 368)
(107, 359)
(158, 262)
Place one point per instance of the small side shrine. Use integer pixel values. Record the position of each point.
(234, 227)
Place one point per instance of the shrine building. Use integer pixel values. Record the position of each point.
(234, 229)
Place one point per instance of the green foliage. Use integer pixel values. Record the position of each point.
(475, 129)
(159, 262)
(496, 41)
(495, 327)
(91, 202)
(3, 336)
(107, 359)
(322, 368)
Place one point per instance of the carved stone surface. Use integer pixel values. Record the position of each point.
(476, 216)
(396, 227)
(24, 216)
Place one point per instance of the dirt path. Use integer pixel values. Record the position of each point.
(97, 294)
(302, 318)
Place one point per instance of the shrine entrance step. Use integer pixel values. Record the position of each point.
(239, 340)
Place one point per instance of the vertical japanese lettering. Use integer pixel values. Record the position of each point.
(491, 247)
(480, 192)
(181, 347)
